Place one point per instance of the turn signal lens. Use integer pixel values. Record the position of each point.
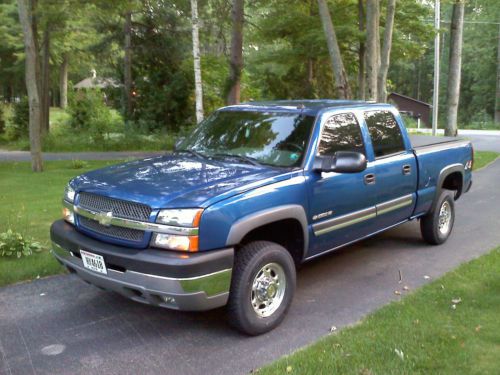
(174, 242)
(68, 215)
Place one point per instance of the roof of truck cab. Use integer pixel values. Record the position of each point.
(308, 106)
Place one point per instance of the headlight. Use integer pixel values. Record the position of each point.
(175, 242)
(187, 217)
(69, 194)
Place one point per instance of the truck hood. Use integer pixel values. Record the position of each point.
(175, 181)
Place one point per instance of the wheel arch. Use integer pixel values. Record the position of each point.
(258, 223)
(450, 178)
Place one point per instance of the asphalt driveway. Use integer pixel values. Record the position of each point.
(61, 325)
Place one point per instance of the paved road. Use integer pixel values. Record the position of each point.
(61, 325)
(112, 155)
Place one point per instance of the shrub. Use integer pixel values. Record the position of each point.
(89, 112)
(14, 244)
(79, 164)
(20, 119)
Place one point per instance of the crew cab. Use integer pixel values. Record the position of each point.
(254, 191)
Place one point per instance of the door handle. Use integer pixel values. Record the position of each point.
(369, 179)
(406, 169)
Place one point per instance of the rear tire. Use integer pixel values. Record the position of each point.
(262, 287)
(437, 225)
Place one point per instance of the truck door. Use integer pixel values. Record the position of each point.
(342, 205)
(395, 169)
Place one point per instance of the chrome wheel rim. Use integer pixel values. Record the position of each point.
(444, 218)
(268, 289)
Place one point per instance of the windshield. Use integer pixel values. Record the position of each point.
(273, 138)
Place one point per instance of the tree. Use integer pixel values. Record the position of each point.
(497, 96)
(236, 61)
(385, 56)
(454, 72)
(372, 47)
(361, 51)
(196, 61)
(28, 22)
(63, 81)
(127, 63)
(341, 81)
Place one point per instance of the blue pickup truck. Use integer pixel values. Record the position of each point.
(256, 190)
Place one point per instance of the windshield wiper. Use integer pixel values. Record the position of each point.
(192, 152)
(241, 157)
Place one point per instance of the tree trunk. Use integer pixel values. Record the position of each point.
(385, 56)
(372, 47)
(127, 64)
(341, 81)
(197, 65)
(453, 96)
(63, 83)
(361, 52)
(497, 101)
(236, 62)
(25, 8)
(45, 83)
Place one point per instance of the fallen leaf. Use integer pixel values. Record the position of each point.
(400, 354)
(416, 321)
(478, 328)
(442, 286)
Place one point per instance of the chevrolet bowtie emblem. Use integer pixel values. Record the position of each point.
(104, 218)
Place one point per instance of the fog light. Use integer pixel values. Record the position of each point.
(170, 300)
(174, 242)
(68, 215)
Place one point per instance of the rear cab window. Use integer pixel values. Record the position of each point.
(385, 133)
(341, 133)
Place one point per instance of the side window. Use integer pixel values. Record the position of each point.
(385, 133)
(341, 133)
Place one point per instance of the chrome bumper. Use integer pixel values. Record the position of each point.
(199, 293)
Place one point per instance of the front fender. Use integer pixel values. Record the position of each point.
(257, 219)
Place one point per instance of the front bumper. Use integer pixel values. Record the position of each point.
(182, 281)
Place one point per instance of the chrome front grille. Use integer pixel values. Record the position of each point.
(120, 233)
(119, 208)
(124, 209)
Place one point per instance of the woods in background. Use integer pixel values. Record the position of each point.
(176, 60)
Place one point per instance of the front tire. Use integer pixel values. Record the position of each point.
(437, 225)
(262, 287)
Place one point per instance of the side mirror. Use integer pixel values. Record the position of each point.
(341, 162)
(178, 142)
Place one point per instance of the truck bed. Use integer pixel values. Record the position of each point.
(419, 141)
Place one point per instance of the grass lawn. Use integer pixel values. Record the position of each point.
(483, 158)
(29, 203)
(433, 337)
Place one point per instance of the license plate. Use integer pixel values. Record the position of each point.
(93, 262)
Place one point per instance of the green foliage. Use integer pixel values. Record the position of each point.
(79, 164)
(89, 112)
(2, 118)
(20, 119)
(13, 244)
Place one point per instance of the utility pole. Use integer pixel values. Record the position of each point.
(435, 96)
